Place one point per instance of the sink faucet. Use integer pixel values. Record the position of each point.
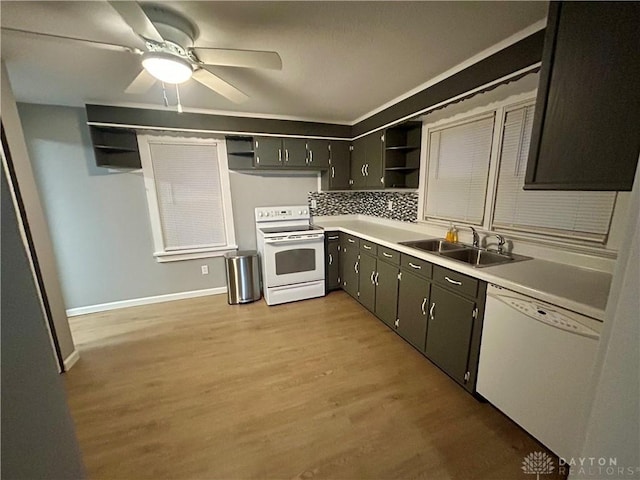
(500, 242)
(476, 237)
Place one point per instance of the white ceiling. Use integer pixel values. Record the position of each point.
(341, 60)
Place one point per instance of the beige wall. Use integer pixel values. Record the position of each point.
(35, 216)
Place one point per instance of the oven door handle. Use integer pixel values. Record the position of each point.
(287, 240)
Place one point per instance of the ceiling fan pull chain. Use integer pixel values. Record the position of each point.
(178, 98)
(164, 95)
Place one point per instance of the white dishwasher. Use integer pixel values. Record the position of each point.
(536, 361)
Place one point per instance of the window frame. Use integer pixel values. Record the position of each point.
(161, 253)
(500, 108)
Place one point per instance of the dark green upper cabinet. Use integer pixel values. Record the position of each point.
(268, 152)
(294, 152)
(318, 153)
(367, 162)
(585, 133)
(339, 172)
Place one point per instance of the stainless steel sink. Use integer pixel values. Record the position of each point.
(435, 245)
(476, 257)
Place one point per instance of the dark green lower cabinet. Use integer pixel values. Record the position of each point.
(386, 292)
(349, 264)
(367, 281)
(413, 302)
(332, 265)
(450, 325)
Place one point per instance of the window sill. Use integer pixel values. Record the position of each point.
(180, 255)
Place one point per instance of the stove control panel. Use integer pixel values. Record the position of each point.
(295, 212)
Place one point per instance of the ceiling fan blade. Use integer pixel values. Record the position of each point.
(239, 58)
(65, 39)
(215, 83)
(141, 84)
(134, 16)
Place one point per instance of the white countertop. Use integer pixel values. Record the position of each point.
(581, 290)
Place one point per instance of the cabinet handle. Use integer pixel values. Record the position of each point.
(366, 247)
(424, 302)
(376, 280)
(413, 265)
(433, 305)
(333, 172)
(335, 237)
(385, 254)
(330, 259)
(366, 169)
(373, 282)
(286, 154)
(350, 240)
(258, 159)
(356, 267)
(455, 282)
(280, 155)
(397, 322)
(310, 156)
(362, 170)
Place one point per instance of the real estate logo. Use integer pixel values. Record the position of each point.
(537, 463)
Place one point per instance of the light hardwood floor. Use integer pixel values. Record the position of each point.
(198, 389)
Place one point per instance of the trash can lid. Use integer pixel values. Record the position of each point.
(241, 253)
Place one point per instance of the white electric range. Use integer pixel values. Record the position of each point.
(291, 254)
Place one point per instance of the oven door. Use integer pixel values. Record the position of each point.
(293, 259)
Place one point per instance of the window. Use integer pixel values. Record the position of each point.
(475, 167)
(458, 170)
(189, 199)
(577, 215)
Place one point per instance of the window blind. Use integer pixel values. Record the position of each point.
(189, 193)
(458, 169)
(584, 215)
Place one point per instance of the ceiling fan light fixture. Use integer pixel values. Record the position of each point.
(166, 67)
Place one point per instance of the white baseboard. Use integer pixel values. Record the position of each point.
(71, 360)
(134, 302)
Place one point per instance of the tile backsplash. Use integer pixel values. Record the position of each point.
(404, 206)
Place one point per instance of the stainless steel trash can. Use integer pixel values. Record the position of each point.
(243, 276)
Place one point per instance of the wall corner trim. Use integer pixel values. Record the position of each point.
(134, 302)
(71, 360)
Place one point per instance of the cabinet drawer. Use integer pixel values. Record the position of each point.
(416, 265)
(349, 242)
(369, 247)
(389, 255)
(455, 281)
(332, 236)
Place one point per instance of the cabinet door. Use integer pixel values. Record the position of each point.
(318, 153)
(585, 131)
(333, 264)
(268, 151)
(367, 281)
(349, 264)
(413, 300)
(358, 160)
(340, 163)
(294, 153)
(449, 336)
(374, 169)
(387, 292)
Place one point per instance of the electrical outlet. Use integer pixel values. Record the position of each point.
(205, 269)
(314, 203)
(390, 204)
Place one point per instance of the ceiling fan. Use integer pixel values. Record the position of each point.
(168, 54)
